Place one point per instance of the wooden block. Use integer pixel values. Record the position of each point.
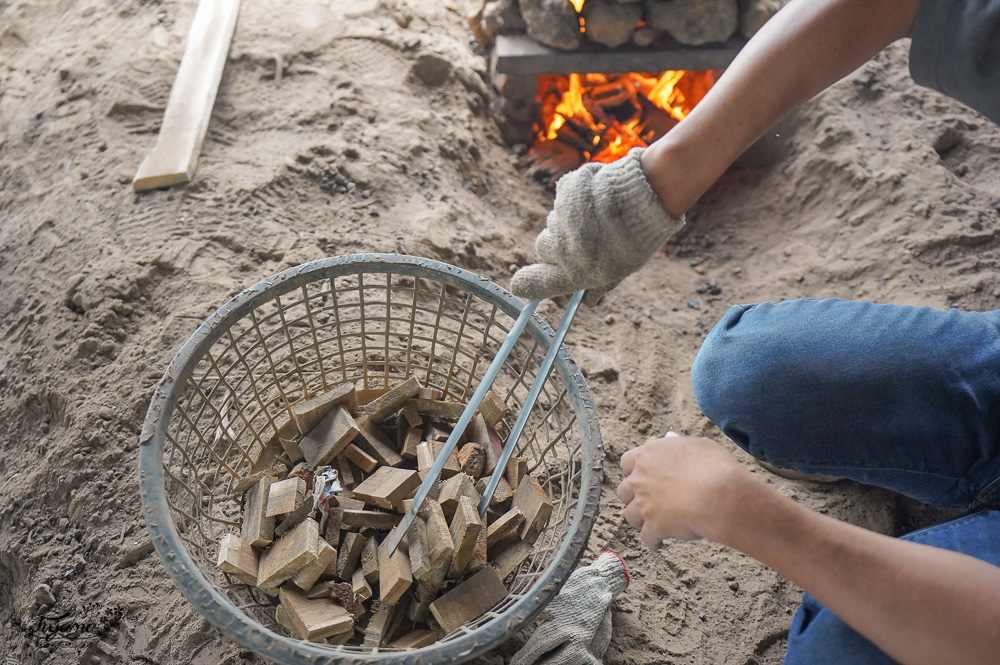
(388, 486)
(371, 519)
(289, 554)
(410, 442)
(479, 551)
(434, 432)
(362, 590)
(493, 408)
(334, 523)
(472, 458)
(415, 639)
(342, 593)
(465, 528)
(285, 496)
(309, 574)
(369, 560)
(329, 437)
(237, 558)
(430, 393)
(411, 415)
(502, 493)
(192, 96)
(536, 506)
(344, 470)
(364, 461)
(478, 432)
(495, 450)
(246, 482)
(440, 545)
(385, 621)
(321, 590)
(281, 617)
(454, 488)
(394, 574)
(314, 619)
(368, 395)
(469, 600)
(373, 440)
(309, 412)
(505, 528)
(303, 471)
(507, 561)
(437, 408)
(258, 528)
(427, 452)
(427, 593)
(350, 552)
(418, 551)
(517, 468)
(291, 448)
(349, 502)
(294, 518)
(382, 407)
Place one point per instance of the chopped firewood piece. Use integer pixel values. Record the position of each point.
(373, 440)
(427, 452)
(411, 415)
(497, 447)
(433, 432)
(344, 471)
(427, 593)
(437, 408)
(350, 552)
(502, 493)
(369, 560)
(465, 528)
(307, 576)
(245, 483)
(454, 488)
(505, 528)
(365, 462)
(394, 574)
(493, 408)
(285, 496)
(385, 621)
(517, 468)
(291, 448)
(329, 437)
(536, 506)
(258, 528)
(237, 558)
(416, 536)
(362, 590)
(382, 407)
(469, 600)
(410, 442)
(310, 411)
(478, 432)
(320, 590)
(388, 486)
(289, 554)
(330, 572)
(367, 395)
(333, 525)
(314, 619)
(440, 545)
(472, 457)
(295, 517)
(415, 639)
(281, 616)
(303, 471)
(371, 519)
(507, 561)
(430, 393)
(349, 502)
(342, 593)
(479, 552)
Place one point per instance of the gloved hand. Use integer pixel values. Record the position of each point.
(576, 628)
(606, 222)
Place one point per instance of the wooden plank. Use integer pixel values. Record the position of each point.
(502, 493)
(479, 551)
(257, 528)
(465, 528)
(368, 395)
(469, 600)
(369, 560)
(309, 412)
(373, 440)
(363, 460)
(327, 439)
(288, 555)
(437, 408)
(371, 519)
(411, 415)
(520, 55)
(334, 524)
(387, 487)
(285, 496)
(427, 593)
(512, 557)
(418, 550)
(394, 574)
(478, 432)
(237, 558)
(295, 517)
(440, 545)
(175, 155)
(291, 448)
(410, 443)
(350, 552)
(415, 639)
(472, 458)
(430, 393)
(345, 472)
(517, 468)
(362, 590)
(309, 574)
(427, 451)
(246, 482)
(317, 619)
(536, 506)
(281, 617)
(504, 529)
(384, 623)
(493, 408)
(454, 488)
(382, 407)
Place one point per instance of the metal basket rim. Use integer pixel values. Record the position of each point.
(219, 610)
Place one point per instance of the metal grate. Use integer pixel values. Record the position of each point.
(372, 320)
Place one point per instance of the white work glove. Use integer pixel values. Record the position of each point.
(606, 222)
(576, 625)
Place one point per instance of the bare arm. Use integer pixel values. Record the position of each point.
(806, 47)
(919, 604)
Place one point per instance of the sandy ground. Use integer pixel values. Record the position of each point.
(883, 191)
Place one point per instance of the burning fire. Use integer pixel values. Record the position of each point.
(604, 116)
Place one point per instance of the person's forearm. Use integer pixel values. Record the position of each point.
(919, 604)
(806, 47)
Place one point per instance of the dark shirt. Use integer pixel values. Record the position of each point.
(956, 50)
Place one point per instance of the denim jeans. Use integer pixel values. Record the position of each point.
(900, 397)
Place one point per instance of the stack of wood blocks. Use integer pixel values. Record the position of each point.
(328, 570)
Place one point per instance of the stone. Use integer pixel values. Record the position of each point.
(431, 68)
(554, 23)
(502, 17)
(693, 22)
(610, 23)
(756, 13)
(645, 35)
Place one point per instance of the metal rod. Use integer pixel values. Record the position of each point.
(396, 535)
(529, 401)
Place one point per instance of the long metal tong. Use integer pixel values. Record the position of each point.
(396, 535)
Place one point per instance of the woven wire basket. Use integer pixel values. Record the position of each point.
(373, 320)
